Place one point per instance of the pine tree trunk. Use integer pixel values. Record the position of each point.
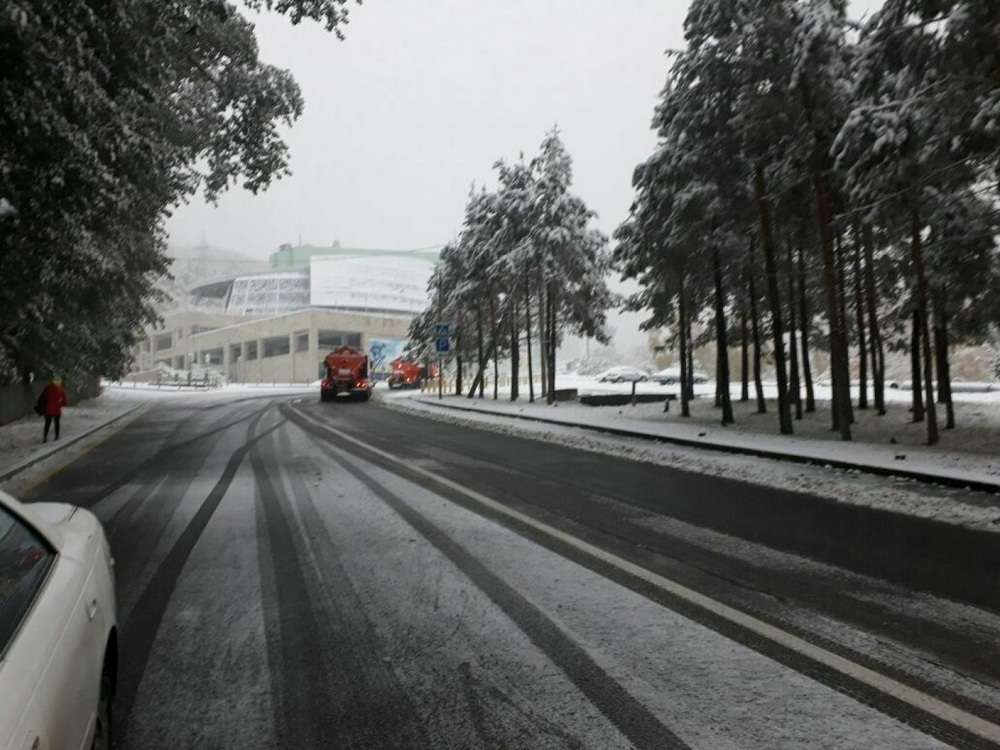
(689, 383)
(722, 347)
(744, 357)
(549, 391)
(527, 317)
(552, 344)
(796, 393)
(543, 344)
(494, 344)
(943, 366)
(877, 353)
(755, 329)
(774, 297)
(458, 372)
(683, 346)
(515, 355)
(842, 292)
(842, 297)
(477, 381)
(804, 318)
(481, 375)
(859, 316)
(917, 408)
(474, 386)
(839, 364)
(923, 307)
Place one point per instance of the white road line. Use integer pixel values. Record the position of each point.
(887, 685)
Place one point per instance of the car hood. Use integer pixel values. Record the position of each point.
(67, 527)
(53, 513)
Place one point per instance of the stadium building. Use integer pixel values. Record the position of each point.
(277, 325)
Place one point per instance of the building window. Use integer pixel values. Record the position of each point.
(330, 339)
(251, 349)
(163, 341)
(302, 341)
(202, 329)
(275, 346)
(212, 357)
(235, 352)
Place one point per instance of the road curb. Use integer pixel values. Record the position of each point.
(64, 444)
(992, 488)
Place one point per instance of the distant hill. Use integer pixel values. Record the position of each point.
(196, 264)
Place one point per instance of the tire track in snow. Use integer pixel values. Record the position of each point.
(139, 631)
(632, 718)
(332, 688)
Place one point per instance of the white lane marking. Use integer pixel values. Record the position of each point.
(887, 685)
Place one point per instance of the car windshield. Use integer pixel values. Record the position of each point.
(24, 562)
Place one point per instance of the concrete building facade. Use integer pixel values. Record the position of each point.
(272, 330)
(282, 349)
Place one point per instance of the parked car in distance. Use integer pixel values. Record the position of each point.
(623, 373)
(672, 376)
(58, 628)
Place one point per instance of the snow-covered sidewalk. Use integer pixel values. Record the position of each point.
(976, 468)
(21, 445)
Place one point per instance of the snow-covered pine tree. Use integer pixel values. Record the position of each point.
(572, 257)
(907, 149)
(113, 113)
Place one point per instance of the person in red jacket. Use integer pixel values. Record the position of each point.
(52, 399)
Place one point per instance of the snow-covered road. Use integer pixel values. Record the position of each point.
(322, 575)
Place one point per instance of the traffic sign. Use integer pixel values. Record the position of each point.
(442, 330)
(443, 346)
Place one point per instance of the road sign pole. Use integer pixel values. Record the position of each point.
(440, 358)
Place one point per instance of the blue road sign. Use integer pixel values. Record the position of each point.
(443, 346)
(442, 330)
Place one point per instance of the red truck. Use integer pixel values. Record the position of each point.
(346, 375)
(408, 375)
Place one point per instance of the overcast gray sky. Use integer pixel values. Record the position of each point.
(425, 95)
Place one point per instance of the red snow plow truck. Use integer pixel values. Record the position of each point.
(346, 374)
(408, 375)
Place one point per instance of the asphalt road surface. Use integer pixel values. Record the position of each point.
(295, 574)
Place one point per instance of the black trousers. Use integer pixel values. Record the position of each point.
(48, 421)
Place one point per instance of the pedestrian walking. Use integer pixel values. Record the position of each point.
(52, 399)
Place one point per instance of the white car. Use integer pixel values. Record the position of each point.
(672, 375)
(58, 628)
(623, 373)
